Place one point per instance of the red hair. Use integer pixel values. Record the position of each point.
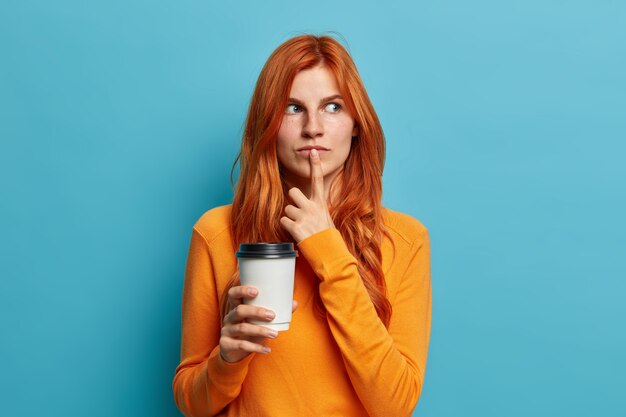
(260, 195)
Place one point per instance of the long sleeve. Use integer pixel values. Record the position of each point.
(204, 383)
(386, 366)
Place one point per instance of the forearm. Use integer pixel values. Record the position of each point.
(388, 383)
(204, 389)
(384, 368)
(204, 383)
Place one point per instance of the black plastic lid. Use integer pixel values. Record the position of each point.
(265, 250)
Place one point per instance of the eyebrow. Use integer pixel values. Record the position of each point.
(325, 99)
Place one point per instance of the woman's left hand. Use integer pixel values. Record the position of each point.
(308, 216)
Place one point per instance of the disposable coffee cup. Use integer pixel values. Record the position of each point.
(270, 268)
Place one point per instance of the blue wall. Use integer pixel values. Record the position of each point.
(119, 122)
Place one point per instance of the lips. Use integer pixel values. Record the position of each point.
(305, 151)
(308, 148)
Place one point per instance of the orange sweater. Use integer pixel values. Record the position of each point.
(347, 364)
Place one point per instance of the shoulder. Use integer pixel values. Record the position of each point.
(404, 227)
(214, 223)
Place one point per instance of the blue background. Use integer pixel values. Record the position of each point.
(505, 122)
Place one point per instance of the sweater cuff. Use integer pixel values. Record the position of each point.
(324, 251)
(230, 374)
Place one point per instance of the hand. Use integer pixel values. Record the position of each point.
(308, 216)
(239, 338)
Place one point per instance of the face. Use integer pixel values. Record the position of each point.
(315, 117)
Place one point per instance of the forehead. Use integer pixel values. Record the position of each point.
(314, 83)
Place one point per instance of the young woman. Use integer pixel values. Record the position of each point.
(311, 160)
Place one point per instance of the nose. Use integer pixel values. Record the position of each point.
(313, 126)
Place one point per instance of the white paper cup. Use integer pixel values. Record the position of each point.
(270, 268)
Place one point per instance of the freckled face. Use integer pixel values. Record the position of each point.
(315, 117)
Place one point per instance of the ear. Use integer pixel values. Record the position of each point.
(355, 131)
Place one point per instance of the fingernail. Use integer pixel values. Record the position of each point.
(253, 292)
(270, 314)
(266, 349)
(314, 152)
(272, 333)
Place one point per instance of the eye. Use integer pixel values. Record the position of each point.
(332, 107)
(293, 108)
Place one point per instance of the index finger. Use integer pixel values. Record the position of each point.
(317, 176)
(237, 293)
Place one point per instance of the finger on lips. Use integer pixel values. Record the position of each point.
(317, 176)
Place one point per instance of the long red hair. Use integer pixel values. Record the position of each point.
(260, 195)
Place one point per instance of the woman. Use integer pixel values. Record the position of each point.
(311, 160)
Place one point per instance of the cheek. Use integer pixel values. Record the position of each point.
(341, 127)
(343, 134)
(288, 126)
(282, 142)
(285, 155)
(345, 151)
(281, 153)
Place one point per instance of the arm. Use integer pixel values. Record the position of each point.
(386, 366)
(204, 383)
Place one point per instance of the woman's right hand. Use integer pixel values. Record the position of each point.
(239, 338)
